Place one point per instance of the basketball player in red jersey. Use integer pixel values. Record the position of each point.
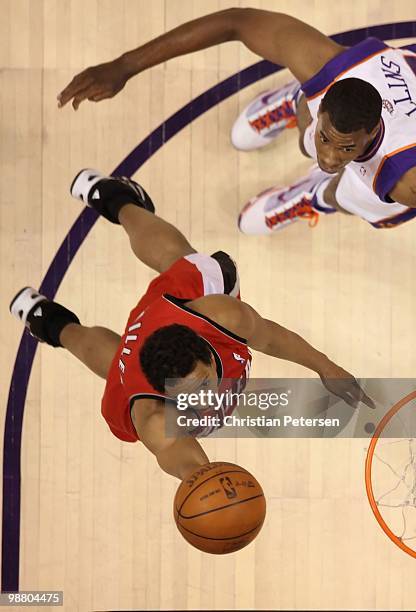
(355, 109)
(190, 325)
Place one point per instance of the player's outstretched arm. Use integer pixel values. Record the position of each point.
(277, 37)
(273, 339)
(176, 456)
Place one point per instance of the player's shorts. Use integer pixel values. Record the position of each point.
(354, 196)
(190, 278)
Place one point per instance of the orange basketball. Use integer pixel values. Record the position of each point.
(219, 508)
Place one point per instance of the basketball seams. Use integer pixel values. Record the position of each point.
(214, 534)
(258, 526)
(240, 501)
(204, 481)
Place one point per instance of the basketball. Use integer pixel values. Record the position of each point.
(219, 508)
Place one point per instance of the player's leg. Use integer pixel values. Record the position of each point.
(157, 243)
(154, 241)
(55, 325)
(307, 198)
(278, 207)
(268, 115)
(94, 346)
(319, 193)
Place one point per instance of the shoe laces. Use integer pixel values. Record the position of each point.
(302, 209)
(281, 112)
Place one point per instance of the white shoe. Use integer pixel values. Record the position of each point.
(83, 183)
(107, 194)
(37, 313)
(265, 117)
(278, 207)
(24, 302)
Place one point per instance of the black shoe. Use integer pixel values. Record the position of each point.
(107, 194)
(44, 319)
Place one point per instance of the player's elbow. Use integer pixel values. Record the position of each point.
(242, 22)
(233, 17)
(248, 22)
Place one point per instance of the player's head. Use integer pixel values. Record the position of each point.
(348, 120)
(177, 352)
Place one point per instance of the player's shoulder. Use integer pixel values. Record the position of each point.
(148, 406)
(219, 307)
(348, 61)
(224, 310)
(145, 408)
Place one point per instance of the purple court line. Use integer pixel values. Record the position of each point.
(67, 251)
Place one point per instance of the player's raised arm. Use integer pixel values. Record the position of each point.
(176, 456)
(272, 339)
(286, 41)
(277, 37)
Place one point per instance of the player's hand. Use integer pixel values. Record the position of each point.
(343, 384)
(95, 83)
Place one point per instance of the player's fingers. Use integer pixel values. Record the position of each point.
(360, 396)
(84, 94)
(367, 400)
(100, 96)
(94, 93)
(79, 83)
(69, 92)
(78, 99)
(350, 399)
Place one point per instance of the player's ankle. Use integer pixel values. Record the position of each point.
(44, 318)
(56, 322)
(67, 332)
(126, 211)
(107, 195)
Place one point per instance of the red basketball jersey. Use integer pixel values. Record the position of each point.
(232, 356)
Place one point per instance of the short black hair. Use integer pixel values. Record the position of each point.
(172, 352)
(352, 105)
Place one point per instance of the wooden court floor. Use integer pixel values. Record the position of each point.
(96, 514)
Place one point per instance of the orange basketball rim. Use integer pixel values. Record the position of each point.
(368, 473)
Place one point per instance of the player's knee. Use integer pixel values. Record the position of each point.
(172, 255)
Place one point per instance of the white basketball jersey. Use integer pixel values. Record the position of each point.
(393, 73)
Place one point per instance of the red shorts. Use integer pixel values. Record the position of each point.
(190, 277)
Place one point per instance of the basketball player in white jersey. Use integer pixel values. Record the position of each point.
(355, 109)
